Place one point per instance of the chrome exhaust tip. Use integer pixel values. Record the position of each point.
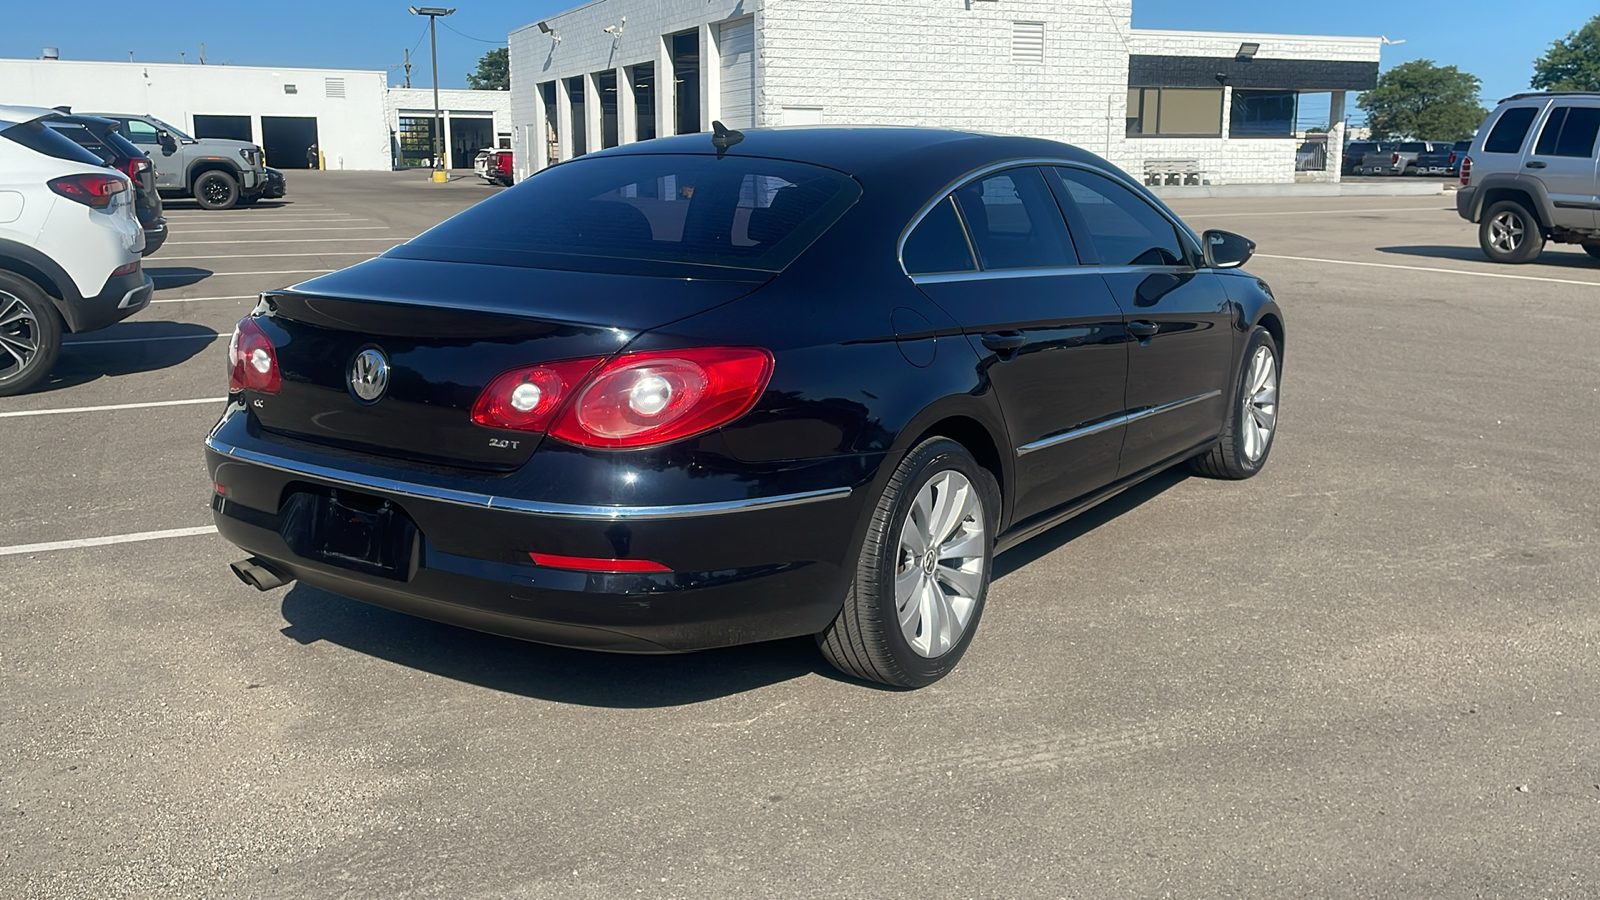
(259, 574)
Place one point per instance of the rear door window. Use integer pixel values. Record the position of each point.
(140, 132)
(1569, 131)
(938, 245)
(1014, 221)
(1510, 129)
(607, 214)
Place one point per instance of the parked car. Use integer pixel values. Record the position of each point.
(217, 173)
(277, 185)
(494, 166)
(1401, 158)
(1356, 151)
(709, 390)
(1530, 176)
(99, 136)
(69, 246)
(1446, 160)
(480, 164)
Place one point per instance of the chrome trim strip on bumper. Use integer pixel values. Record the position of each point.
(1098, 427)
(132, 300)
(506, 504)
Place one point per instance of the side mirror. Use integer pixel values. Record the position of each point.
(1226, 250)
(167, 143)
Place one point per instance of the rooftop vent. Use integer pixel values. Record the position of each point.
(51, 53)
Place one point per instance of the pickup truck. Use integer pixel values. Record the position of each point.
(218, 173)
(1444, 161)
(1402, 159)
(1356, 151)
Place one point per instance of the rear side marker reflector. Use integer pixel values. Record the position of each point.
(590, 564)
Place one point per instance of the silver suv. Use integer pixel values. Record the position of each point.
(1531, 176)
(218, 173)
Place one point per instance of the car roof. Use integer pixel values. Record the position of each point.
(1530, 95)
(16, 115)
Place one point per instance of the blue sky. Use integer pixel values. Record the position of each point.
(361, 34)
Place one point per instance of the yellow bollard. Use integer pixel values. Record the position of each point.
(440, 176)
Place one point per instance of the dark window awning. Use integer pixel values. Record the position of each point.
(1308, 75)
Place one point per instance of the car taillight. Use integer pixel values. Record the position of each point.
(1466, 172)
(526, 399)
(128, 269)
(634, 400)
(90, 190)
(1394, 159)
(1452, 157)
(596, 564)
(136, 167)
(252, 361)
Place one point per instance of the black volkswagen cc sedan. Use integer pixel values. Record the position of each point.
(706, 391)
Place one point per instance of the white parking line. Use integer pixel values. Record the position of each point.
(172, 337)
(1375, 265)
(199, 277)
(1314, 212)
(106, 541)
(203, 299)
(275, 255)
(270, 230)
(25, 413)
(321, 240)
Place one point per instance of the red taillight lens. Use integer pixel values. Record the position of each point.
(643, 399)
(1394, 159)
(90, 190)
(1452, 157)
(526, 399)
(252, 361)
(128, 269)
(1466, 172)
(135, 167)
(635, 400)
(593, 564)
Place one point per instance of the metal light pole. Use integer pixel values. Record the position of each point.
(433, 13)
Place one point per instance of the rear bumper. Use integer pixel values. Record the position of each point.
(1466, 203)
(154, 236)
(762, 568)
(122, 296)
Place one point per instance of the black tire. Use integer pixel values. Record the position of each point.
(216, 190)
(866, 639)
(1231, 457)
(31, 319)
(1523, 243)
(1592, 249)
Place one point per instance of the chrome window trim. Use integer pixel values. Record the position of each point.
(1045, 273)
(1074, 434)
(1119, 177)
(506, 504)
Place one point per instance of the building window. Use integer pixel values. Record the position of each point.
(416, 141)
(579, 125)
(1027, 42)
(644, 100)
(606, 83)
(552, 128)
(686, 72)
(1262, 113)
(1174, 112)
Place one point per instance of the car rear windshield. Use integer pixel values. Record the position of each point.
(1412, 147)
(40, 139)
(84, 138)
(648, 214)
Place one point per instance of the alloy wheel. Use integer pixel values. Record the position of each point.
(939, 571)
(19, 334)
(1506, 232)
(1260, 414)
(215, 191)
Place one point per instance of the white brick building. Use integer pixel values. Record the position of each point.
(1176, 105)
(471, 121)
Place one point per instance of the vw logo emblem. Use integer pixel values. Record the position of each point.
(369, 375)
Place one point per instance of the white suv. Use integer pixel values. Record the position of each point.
(69, 246)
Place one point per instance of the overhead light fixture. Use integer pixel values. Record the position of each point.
(1247, 50)
(544, 28)
(431, 11)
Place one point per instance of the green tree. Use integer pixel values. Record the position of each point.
(1418, 99)
(1572, 64)
(494, 72)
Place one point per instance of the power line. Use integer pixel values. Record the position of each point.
(471, 38)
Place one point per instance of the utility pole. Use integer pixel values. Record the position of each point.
(202, 53)
(433, 13)
(408, 68)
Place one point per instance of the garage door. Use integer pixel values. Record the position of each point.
(737, 44)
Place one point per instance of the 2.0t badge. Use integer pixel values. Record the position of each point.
(369, 375)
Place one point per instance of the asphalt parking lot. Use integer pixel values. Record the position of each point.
(1370, 671)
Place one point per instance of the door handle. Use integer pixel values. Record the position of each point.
(1143, 329)
(1004, 341)
(1535, 164)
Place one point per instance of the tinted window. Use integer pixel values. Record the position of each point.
(1570, 131)
(140, 132)
(1510, 130)
(741, 213)
(1126, 229)
(1014, 222)
(1263, 113)
(939, 244)
(1462, 145)
(36, 137)
(80, 135)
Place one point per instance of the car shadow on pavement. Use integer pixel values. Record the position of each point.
(1553, 256)
(581, 677)
(149, 346)
(167, 277)
(1045, 544)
